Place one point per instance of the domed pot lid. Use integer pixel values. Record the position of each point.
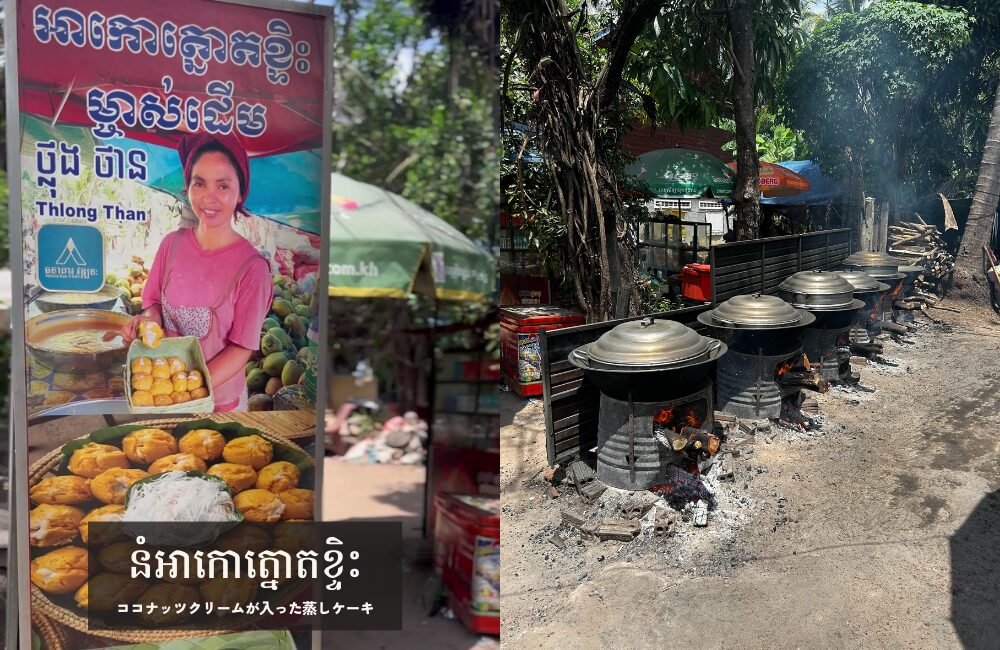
(862, 282)
(756, 311)
(877, 264)
(650, 343)
(817, 289)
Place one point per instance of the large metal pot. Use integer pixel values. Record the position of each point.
(818, 291)
(879, 265)
(103, 299)
(758, 324)
(40, 331)
(647, 358)
(862, 282)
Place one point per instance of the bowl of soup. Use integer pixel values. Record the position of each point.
(77, 341)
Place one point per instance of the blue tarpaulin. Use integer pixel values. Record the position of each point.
(822, 189)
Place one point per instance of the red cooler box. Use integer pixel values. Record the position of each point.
(467, 556)
(520, 356)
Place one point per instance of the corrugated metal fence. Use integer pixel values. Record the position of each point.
(760, 265)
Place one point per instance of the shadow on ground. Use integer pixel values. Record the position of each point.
(975, 576)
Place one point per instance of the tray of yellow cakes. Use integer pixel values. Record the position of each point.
(244, 484)
(167, 375)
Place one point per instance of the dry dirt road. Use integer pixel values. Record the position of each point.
(881, 532)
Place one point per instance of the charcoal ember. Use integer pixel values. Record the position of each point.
(681, 487)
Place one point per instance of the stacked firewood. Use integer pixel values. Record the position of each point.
(918, 243)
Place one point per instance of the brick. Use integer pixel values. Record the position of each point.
(618, 529)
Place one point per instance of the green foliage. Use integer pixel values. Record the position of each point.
(684, 59)
(775, 141)
(652, 296)
(866, 88)
(414, 112)
(526, 179)
(679, 72)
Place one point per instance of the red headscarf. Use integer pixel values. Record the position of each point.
(192, 143)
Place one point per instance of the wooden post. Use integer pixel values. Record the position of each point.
(882, 232)
(867, 225)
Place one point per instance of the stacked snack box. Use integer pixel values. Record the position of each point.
(467, 556)
(520, 355)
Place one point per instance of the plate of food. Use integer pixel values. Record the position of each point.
(219, 474)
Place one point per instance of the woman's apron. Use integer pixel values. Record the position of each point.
(201, 321)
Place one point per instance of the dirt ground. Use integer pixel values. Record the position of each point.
(882, 530)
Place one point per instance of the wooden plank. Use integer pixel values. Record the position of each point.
(565, 376)
(572, 431)
(867, 224)
(739, 253)
(575, 418)
(563, 408)
(740, 267)
(569, 388)
(787, 258)
(543, 351)
(559, 366)
(573, 444)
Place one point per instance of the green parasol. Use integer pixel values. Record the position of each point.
(383, 246)
(682, 173)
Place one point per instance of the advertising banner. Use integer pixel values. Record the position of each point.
(170, 240)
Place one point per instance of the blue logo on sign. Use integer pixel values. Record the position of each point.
(70, 258)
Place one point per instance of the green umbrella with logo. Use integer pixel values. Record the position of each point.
(383, 246)
(682, 173)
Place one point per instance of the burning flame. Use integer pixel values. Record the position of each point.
(664, 416)
(895, 292)
(785, 366)
(805, 362)
(670, 418)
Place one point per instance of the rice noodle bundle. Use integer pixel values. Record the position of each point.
(176, 497)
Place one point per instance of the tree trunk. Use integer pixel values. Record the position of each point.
(572, 108)
(979, 227)
(746, 193)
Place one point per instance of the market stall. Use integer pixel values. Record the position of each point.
(439, 394)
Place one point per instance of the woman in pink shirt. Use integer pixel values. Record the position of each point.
(208, 281)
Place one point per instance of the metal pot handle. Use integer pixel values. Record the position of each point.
(713, 347)
(581, 357)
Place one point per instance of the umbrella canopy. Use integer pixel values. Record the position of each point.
(383, 246)
(776, 180)
(682, 173)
